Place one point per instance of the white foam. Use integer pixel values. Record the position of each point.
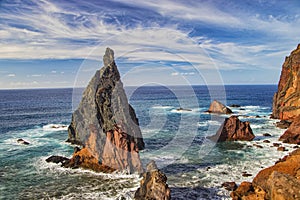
(55, 127)
(162, 107)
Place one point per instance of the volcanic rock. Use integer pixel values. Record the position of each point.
(283, 124)
(57, 159)
(280, 181)
(218, 107)
(292, 134)
(21, 141)
(234, 106)
(153, 185)
(286, 101)
(230, 186)
(105, 124)
(233, 129)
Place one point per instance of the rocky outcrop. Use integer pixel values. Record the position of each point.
(286, 101)
(153, 185)
(292, 134)
(280, 181)
(233, 129)
(105, 124)
(21, 141)
(219, 108)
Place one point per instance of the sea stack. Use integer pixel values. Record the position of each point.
(105, 124)
(233, 129)
(219, 108)
(286, 101)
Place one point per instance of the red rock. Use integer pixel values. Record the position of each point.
(153, 185)
(230, 186)
(292, 134)
(286, 101)
(281, 149)
(218, 107)
(233, 129)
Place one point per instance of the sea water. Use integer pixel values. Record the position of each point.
(175, 138)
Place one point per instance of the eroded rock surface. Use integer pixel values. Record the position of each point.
(233, 129)
(280, 181)
(105, 124)
(286, 101)
(153, 185)
(292, 134)
(219, 108)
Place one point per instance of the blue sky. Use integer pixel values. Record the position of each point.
(60, 43)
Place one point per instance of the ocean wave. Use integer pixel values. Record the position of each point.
(55, 127)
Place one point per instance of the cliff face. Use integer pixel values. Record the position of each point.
(286, 101)
(104, 123)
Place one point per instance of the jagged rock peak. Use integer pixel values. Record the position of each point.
(108, 57)
(105, 124)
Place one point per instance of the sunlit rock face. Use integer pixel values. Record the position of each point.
(105, 124)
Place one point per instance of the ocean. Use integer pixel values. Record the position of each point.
(175, 138)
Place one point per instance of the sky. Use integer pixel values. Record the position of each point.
(60, 43)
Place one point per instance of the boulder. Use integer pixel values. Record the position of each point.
(218, 107)
(230, 186)
(292, 134)
(57, 159)
(233, 129)
(105, 124)
(21, 141)
(283, 124)
(153, 185)
(286, 101)
(234, 106)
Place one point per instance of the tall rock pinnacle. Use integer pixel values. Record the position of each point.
(105, 123)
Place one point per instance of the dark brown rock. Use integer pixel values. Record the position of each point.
(266, 141)
(281, 149)
(246, 191)
(258, 146)
(234, 106)
(218, 107)
(286, 101)
(276, 144)
(105, 124)
(57, 159)
(230, 186)
(283, 124)
(21, 141)
(245, 174)
(153, 185)
(292, 134)
(233, 129)
(267, 135)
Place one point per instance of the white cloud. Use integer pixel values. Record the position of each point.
(36, 75)
(174, 73)
(11, 75)
(53, 72)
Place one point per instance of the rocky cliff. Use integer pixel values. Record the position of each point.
(105, 124)
(286, 101)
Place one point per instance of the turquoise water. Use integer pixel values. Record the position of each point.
(195, 166)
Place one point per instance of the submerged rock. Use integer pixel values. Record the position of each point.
(233, 129)
(292, 134)
(153, 185)
(283, 124)
(21, 141)
(105, 124)
(286, 101)
(218, 107)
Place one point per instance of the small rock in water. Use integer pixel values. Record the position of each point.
(283, 124)
(230, 186)
(296, 147)
(21, 141)
(258, 146)
(245, 174)
(276, 144)
(57, 159)
(266, 141)
(257, 116)
(281, 149)
(234, 106)
(267, 135)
